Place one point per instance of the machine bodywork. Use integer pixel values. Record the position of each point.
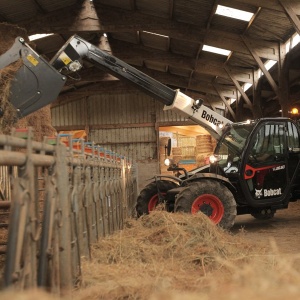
(238, 182)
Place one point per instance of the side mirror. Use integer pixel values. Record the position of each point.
(168, 148)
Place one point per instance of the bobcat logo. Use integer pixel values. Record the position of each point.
(258, 193)
(267, 193)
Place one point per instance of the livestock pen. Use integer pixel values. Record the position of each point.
(57, 197)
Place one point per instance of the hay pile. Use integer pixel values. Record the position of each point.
(41, 123)
(40, 120)
(159, 252)
(8, 34)
(32, 294)
(181, 257)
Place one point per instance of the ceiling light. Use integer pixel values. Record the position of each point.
(216, 50)
(234, 13)
(294, 111)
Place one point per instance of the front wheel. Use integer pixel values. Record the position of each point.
(211, 198)
(149, 197)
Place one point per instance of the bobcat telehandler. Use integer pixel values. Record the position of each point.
(255, 166)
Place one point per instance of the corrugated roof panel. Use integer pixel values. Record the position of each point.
(18, 10)
(124, 4)
(271, 25)
(184, 48)
(204, 78)
(131, 37)
(179, 71)
(239, 5)
(220, 80)
(49, 6)
(154, 40)
(205, 55)
(192, 11)
(242, 60)
(228, 24)
(159, 8)
(156, 66)
(135, 61)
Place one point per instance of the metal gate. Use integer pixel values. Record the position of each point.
(63, 196)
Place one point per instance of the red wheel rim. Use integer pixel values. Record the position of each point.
(210, 205)
(153, 202)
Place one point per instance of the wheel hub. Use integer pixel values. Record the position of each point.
(210, 205)
(206, 209)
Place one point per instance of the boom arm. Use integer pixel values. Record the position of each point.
(70, 59)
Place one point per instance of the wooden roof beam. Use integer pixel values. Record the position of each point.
(261, 65)
(239, 88)
(212, 13)
(225, 102)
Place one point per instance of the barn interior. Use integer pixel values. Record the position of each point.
(240, 57)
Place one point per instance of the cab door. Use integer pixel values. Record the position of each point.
(265, 169)
(293, 148)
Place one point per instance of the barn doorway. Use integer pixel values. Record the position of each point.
(191, 146)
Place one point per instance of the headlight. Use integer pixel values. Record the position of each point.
(167, 162)
(212, 159)
(294, 111)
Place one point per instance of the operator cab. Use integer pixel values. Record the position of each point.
(260, 159)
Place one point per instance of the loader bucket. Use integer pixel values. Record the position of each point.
(36, 83)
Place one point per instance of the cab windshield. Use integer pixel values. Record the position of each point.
(230, 147)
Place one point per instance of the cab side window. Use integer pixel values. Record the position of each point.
(293, 138)
(269, 142)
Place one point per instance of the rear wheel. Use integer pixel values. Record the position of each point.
(211, 198)
(149, 198)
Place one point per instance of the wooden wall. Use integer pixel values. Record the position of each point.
(126, 123)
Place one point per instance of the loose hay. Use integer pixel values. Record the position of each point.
(153, 258)
(40, 121)
(159, 252)
(32, 294)
(8, 34)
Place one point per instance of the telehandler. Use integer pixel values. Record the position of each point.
(255, 166)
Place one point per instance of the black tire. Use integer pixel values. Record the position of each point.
(210, 197)
(264, 214)
(149, 195)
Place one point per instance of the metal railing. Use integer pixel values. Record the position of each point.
(64, 196)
